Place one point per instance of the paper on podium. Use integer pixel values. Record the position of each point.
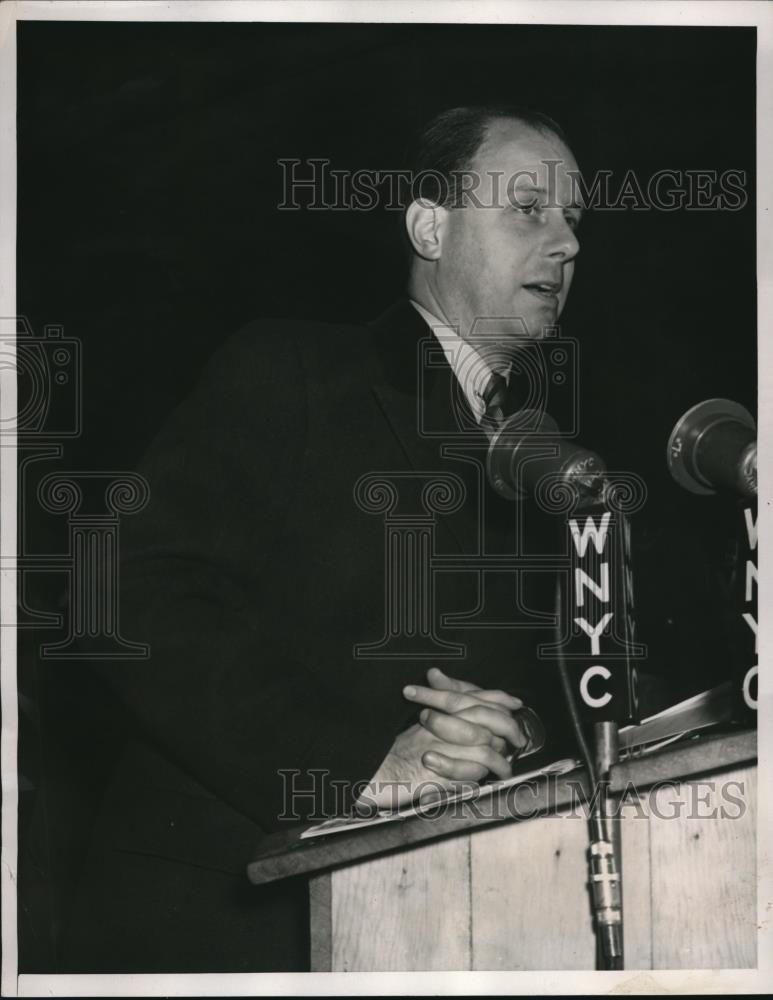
(676, 722)
(709, 708)
(347, 823)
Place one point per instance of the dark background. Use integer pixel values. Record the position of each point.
(147, 227)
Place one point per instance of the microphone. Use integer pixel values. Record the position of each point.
(712, 447)
(526, 447)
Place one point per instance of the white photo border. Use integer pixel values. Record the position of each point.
(543, 12)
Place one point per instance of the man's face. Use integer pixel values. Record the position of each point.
(514, 260)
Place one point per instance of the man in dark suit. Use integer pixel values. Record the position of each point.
(258, 573)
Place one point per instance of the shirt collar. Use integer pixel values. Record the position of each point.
(471, 370)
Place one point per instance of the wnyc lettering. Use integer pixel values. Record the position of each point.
(602, 588)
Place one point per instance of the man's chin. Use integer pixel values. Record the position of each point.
(537, 319)
(537, 327)
(545, 320)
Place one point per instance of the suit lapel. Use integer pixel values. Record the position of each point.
(423, 404)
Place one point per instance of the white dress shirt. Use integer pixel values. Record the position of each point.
(471, 370)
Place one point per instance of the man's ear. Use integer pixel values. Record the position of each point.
(425, 224)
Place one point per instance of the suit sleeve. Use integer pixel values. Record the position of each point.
(218, 692)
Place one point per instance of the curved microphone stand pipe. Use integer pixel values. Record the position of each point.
(522, 450)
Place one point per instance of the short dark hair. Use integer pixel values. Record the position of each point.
(447, 144)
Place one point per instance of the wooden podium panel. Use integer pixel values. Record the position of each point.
(419, 911)
(513, 895)
(529, 908)
(704, 885)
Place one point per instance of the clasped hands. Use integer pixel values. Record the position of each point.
(464, 734)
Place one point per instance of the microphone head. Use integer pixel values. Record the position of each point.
(712, 447)
(527, 446)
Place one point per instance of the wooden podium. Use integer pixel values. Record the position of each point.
(465, 891)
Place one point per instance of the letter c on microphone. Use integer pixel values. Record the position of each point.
(587, 697)
(748, 697)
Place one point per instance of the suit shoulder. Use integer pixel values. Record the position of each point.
(316, 346)
(281, 336)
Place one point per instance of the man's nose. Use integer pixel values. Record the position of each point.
(562, 240)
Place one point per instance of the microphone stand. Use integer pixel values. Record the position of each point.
(581, 471)
(605, 853)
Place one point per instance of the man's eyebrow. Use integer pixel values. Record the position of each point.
(536, 189)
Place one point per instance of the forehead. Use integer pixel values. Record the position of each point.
(511, 147)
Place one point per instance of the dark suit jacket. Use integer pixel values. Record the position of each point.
(253, 573)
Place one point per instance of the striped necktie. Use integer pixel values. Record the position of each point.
(495, 399)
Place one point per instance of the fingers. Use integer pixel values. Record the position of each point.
(452, 768)
(465, 759)
(497, 723)
(533, 727)
(442, 682)
(443, 701)
(454, 729)
(457, 729)
(500, 700)
(456, 701)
